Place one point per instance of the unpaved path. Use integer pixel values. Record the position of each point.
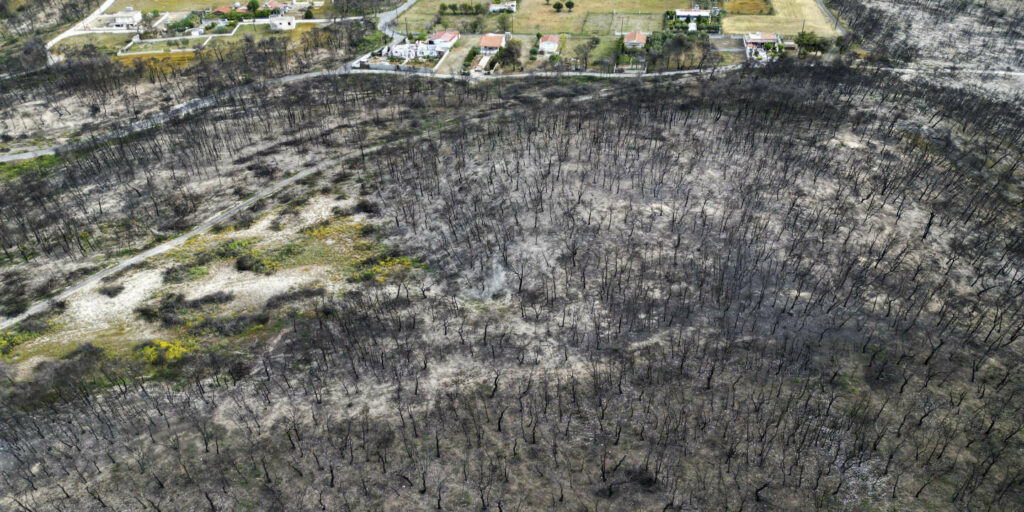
(267, 191)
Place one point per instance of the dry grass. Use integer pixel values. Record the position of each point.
(536, 16)
(747, 6)
(791, 16)
(606, 24)
(167, 5)
(165, 61)
(599, 17)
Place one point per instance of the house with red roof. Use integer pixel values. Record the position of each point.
(549, 44)
(491, 43)
(444, 40)
(634, 40)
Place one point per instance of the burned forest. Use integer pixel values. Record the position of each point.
(792, 286)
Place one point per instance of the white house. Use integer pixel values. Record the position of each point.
(549, 44)
(278, 23)
(126, 19)
(503, 7)
(490, 43)
(762, 46)
(444, 40)
(418, 50)
(760, 39)
(692, 13)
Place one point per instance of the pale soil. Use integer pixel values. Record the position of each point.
(113, 323)
(49, 123)
(963, 38)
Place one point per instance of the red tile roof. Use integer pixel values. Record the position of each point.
(492, 40)
(446, 36)
(221, 10)
(551, 39)
(635, 37)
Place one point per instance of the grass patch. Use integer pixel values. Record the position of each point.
(196, 254)
(166, 46)
(260, 32)
(28, 330)
(163, 62)
(104, 43)
(40, 165)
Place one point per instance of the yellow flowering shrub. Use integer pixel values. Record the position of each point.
(159, 352)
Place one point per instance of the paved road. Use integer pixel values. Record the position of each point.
(385, 19)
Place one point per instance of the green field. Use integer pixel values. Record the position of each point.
(165, 61)
(104, 43)
(259, 32)
(162, 46)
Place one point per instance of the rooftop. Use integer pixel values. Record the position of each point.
(492, 40)
(446, 36)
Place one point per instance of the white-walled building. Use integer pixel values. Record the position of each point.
(549, 44)
(418, 50)
(126, 19)
(503, 7)
(692, 13)
(278, 23)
